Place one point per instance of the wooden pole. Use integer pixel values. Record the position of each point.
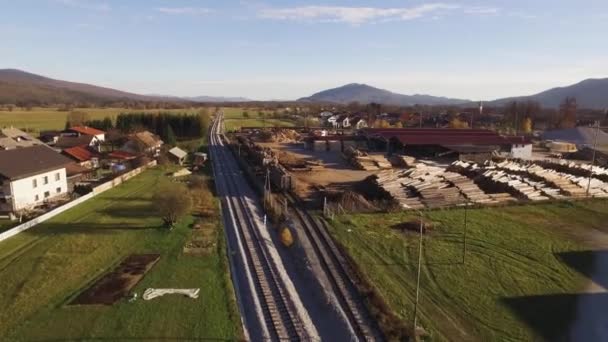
(418, 277)
(464, 240)
(597, 131)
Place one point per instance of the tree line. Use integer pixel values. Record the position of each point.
(169, 126)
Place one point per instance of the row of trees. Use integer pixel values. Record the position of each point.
(168, 126)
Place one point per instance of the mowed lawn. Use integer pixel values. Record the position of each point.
(43, 268)
(40, 119)
(525, 270)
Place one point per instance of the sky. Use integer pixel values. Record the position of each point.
(272, 49)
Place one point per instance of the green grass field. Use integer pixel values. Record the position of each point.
(234, 119)
(43, 268)
(40, 119)
(524, 267)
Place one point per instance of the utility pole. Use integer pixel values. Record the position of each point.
(418, 277)
(480, 112)
(464, 240)
(597, 131)
(420, 119)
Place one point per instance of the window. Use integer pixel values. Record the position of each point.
(45, 180)
(58, 190)
(57, 176)
(47, 194)
(34, 183)
(36, 198)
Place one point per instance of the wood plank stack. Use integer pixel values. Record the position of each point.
(468, 188)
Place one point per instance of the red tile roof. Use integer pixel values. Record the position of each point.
(86, 130)
(80, 153)
(432, 136)
(121, 155)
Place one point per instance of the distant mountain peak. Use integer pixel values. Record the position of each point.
(590, 93)
(363, 93)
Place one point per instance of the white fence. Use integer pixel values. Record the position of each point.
(96, 191)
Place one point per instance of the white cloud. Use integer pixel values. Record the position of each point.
(361, 15)
(184, 10)
(87, 5)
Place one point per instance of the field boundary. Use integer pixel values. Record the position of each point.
(96, 191)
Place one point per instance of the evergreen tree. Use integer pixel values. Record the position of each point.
(170, 136)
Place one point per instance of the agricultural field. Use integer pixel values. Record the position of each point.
(46, 267)
(40, 119)
(526, 268)
(234, 119)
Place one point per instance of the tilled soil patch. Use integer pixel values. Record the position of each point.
(116, 285)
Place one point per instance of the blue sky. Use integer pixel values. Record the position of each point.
(288, 49)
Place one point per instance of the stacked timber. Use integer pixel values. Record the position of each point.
(468, 188)
(391, 183)
(381, 162)
(522, 174)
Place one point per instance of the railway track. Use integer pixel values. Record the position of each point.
(334, 264)
(280, 315)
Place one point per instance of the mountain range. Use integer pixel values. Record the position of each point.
(18, 86)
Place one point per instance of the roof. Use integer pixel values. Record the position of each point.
(80, 153)
(147, 138)
(28, 161)
(68, 141)
(123, 155)
(73, 169)
(13, 138)
(178, 152)
(437, 136)
(86, 130)
(578, 136)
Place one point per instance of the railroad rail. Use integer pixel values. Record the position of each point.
(280, 315)
(334, 264)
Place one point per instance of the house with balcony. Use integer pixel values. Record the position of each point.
(31, 177)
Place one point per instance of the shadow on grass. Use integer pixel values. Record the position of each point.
(130, 211)
(563, 317)
(89, 228)
(592, 264)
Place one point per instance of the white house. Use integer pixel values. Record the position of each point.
(358, 123)
(31, 176)
(85, 130)
(333, 121)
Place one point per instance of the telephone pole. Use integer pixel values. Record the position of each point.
(418, 277)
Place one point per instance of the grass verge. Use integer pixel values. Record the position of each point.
(43, 268)
(516, 258)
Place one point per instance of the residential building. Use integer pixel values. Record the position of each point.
(143, 143)
(31, 176)
(89, 141)
(83, 155)
(11, 138)
(85, 130)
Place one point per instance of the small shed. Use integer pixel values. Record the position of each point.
(178, 155)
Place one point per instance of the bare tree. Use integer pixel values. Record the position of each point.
(173, 202)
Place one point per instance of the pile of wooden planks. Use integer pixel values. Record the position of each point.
(468, 188)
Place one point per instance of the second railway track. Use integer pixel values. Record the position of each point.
(334, 264)
(280, 315)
